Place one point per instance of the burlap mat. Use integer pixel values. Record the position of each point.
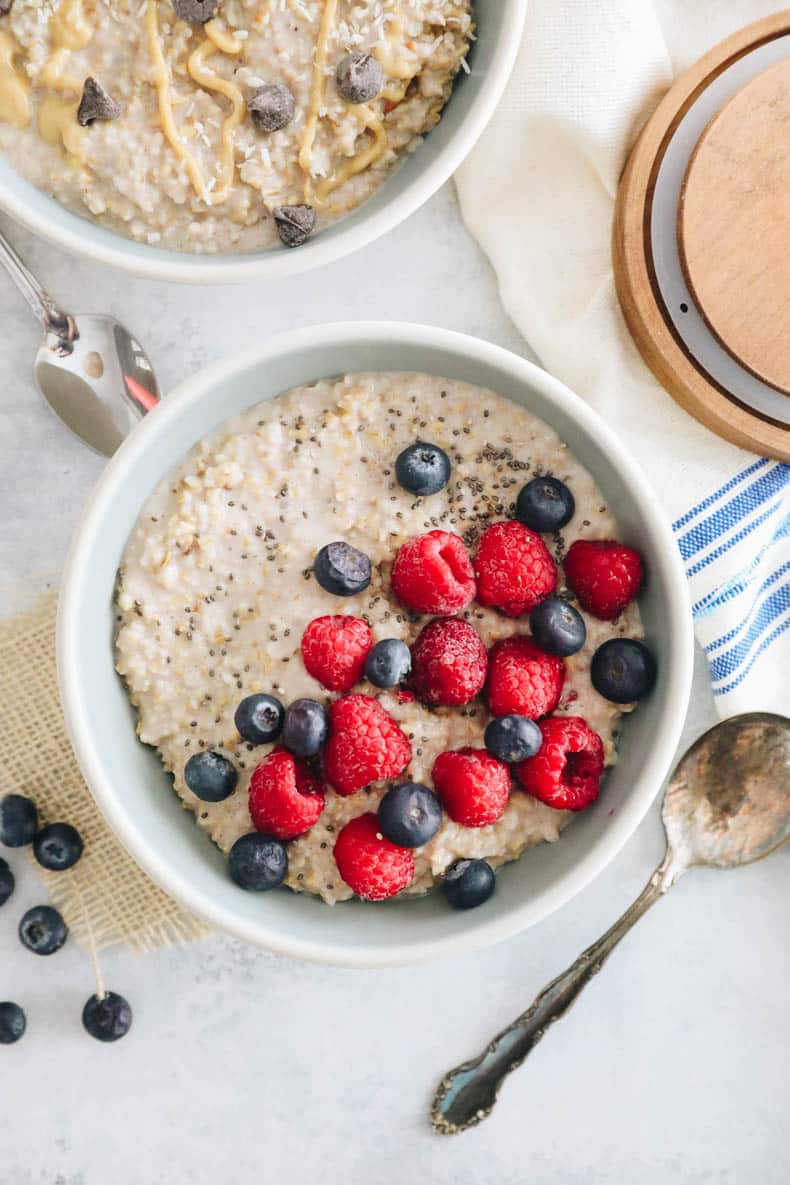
(106, 899)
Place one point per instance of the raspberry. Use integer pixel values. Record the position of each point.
(285, 800)
(449, 662)
(514, 569)
(334, 650)
(374, 867)
(473, 786)
(604, 574)
(566, 771)
(365, 744)
(433, 574)
(522, 679)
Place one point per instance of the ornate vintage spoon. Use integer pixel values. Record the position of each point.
(728, 803)
(92, 372)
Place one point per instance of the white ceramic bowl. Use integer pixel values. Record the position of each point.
(126, 778)
(499, 25)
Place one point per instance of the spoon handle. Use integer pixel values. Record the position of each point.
(53, 319)
(466, 1095)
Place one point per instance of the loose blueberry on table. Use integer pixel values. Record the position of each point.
(57, 846)
(12, 1022)
(42, 930)
(7, 881)
(18, 820)
(107, 1017)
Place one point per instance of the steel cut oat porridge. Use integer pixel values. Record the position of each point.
(219, 584)
(217, 125)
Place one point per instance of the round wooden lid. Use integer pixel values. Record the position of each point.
(734, 225)
(701, 238)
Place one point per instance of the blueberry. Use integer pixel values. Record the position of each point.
(306, 727)
(57, 846)
(410, 814)
(7, 882)
(423, 468)
(623, 670)
(557, 627)
(18, 820)
(259, 719)
(513, 738)
(210, 776)
(545, 505)
(42, 930)
(468, 883)
(388, 663)
(359, 77)
(342, 569)
(258, 862)
(107, 1017)
(12, 1023)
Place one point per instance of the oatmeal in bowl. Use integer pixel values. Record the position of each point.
(214, 126)
(469, 800)
(381, 631)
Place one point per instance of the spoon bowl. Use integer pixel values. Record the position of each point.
(728, 802)
(91, 370)
(97, 379)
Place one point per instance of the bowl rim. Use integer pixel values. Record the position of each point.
(227, 268)
(678, 659)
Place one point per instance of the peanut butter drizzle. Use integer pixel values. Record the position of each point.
(396, 66)
(218, 39)
(70, 27)
(400, 71)
(165, 100)
(389, 55)
(317, 87)
(14, 88)
(355, 164)
(69, 30)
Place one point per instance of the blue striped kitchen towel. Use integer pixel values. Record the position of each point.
(736, 547)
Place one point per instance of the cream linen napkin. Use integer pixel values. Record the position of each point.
(538, 193)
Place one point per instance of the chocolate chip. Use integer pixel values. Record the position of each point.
(294, 224)
(96, 103)
(5, 7)
(198, 11)
(271, 107)
(359, 77)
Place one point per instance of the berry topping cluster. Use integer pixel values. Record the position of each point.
(351, 742)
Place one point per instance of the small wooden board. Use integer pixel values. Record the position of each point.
(734, 240)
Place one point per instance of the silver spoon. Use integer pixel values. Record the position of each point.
(92, 372)
(728, 803)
